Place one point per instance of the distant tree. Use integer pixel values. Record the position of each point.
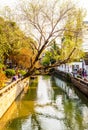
(22, 59)
(72, 37)
(51, 55)
(10, 36)
(12, 42)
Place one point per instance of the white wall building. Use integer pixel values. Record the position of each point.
(69, 67)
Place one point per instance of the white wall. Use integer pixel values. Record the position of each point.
(10, 93)
(68, 67)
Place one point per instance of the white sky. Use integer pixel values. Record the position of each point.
(12, 3)
(83, 3)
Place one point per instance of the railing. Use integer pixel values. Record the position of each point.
(9, 93)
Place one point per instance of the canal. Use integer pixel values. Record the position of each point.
(47, 104)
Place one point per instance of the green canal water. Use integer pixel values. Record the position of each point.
(47, 104)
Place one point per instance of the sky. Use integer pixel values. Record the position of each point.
(83, 3)
(12, 3)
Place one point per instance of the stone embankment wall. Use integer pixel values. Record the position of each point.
(9, 93)
(62, 75)
(81, 84)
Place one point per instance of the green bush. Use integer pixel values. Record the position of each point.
(10, 72)
(2, 65)
(22, 72)
(45, 61)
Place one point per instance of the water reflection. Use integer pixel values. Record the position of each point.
(49, 104)
(74, 108)
(44, 91)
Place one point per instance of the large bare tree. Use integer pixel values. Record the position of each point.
(46, 21)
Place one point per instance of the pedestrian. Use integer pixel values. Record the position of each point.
(14, 78)
(84, 73)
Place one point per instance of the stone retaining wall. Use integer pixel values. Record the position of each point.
(81, 84)
(10, 93)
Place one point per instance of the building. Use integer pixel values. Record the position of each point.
(69, 67)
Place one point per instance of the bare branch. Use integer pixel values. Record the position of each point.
(47, 22)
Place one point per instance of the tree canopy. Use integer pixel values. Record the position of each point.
(46, 22)
(13, 44)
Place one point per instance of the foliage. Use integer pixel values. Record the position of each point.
(45, 61)
(72, 37)
(2, 66)
(44, 23)
(10, 72)
(52, 55)
(8, 37)
(49, 22)
(2, 78)
(14, 45)
(22, 72)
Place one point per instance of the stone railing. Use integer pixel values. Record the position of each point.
(9, 93)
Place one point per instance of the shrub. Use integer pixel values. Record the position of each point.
(45, 61)
(22, 72)
(2, 66)
(10, 72)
